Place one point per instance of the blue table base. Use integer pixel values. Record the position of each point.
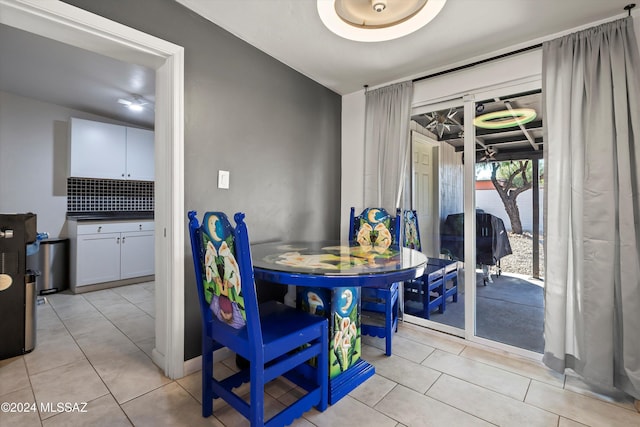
(342, 385)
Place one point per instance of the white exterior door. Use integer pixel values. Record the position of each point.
(425, 184)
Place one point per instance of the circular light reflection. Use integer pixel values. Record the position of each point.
(333, 22)
(505, 118)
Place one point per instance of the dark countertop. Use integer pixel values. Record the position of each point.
(109, 215)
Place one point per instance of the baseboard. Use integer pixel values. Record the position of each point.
(192, 365)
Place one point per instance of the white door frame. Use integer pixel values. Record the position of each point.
(68, 24)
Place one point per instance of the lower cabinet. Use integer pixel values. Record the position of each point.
(98, 258)
(135, 258)
(111, 251)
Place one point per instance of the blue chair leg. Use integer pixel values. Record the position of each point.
(207, 375)
(388, 323)
(256, 411)
(323, 371)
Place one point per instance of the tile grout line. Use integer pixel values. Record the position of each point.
(91, 364)
(86, 358)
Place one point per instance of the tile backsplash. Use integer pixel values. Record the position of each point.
(99, 195)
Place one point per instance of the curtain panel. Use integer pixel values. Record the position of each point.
(591, 89)
(387, 123)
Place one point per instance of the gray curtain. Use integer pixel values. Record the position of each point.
(591, 85)
(387, 122)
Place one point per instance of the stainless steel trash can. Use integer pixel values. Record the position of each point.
(53, 266)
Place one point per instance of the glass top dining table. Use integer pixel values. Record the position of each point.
(335, 263)
(329, 274)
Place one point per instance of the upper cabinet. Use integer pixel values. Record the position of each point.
(103, 150)
(140, 160)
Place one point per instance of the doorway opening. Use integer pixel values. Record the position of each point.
(68, 24)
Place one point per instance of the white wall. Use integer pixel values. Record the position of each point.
(34, 158)
(490, 202)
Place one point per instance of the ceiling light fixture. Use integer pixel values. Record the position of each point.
(377, 20)
(505, 118)
(379, 5)
(136, 104)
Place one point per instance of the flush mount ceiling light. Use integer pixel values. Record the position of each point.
(377, 20)
(137, 103)
(505, 118)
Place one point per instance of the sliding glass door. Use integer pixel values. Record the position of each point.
(476, 183)
(509, 302)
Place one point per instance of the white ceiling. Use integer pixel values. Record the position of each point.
(50, 71)
(291, 31)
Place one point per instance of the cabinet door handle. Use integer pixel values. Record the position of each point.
(123, 175)
(117, 241)
(123, 239)
(99, 229)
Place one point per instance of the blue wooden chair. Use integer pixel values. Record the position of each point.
(277, 340)
(374, 227)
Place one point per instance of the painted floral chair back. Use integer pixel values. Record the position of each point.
(411, 230)
(375, 228)
(225, 275)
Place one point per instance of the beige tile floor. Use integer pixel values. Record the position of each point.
(95, 348)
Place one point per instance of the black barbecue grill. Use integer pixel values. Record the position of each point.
(492, 241)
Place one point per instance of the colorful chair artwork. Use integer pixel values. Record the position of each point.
(277, 340)
(377, 231)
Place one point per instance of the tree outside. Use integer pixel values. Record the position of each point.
(510, 179)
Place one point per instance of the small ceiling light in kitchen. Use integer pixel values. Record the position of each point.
(377, 20)
(137, 103)
(505, 118)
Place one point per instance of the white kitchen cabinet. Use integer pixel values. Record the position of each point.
(140, 154)
(103, 252)
(135, 257)
(98, 150)
(98, 258)
(103, 150)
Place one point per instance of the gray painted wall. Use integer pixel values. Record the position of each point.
(275, 130)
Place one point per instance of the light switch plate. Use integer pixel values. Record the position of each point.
(223, 179)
